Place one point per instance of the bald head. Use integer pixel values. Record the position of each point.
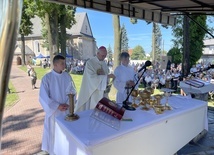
(101, 53)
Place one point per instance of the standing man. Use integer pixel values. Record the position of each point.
(94, 81)
(125, 77)
(53, 97)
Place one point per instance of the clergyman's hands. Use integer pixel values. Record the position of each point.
(111, 76)
(63, 107)
(100, 72)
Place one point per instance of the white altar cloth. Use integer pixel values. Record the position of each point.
(191, 89)
(147, 134)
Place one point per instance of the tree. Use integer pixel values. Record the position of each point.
(124, 40)
(66, 20)
(25, 27)
(109, 50)
(54, 17)
(138, 53)
(175, 54)
(196, 36)
(117, 40)
(156, 42)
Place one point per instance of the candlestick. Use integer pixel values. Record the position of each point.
(71, 116)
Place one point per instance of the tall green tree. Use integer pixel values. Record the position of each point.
(196, 36)
(55, 19)
(124, 39)
(110, 53)
(138, 53)
(66, 20)
(25, 27)
(175, 54)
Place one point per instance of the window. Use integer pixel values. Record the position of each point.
(37, 47)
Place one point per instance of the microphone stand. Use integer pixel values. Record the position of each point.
(126, 103)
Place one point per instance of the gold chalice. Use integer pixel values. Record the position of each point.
(150, 89)
(145, 96)
(158, 98)
(134, 94)
(152, 102)
(159, 109)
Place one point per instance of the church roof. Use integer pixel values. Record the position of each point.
(82, 27)
(28, 51)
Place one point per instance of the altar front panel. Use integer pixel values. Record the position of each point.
(149, 133)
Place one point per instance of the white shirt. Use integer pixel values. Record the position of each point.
(53, 92)
(123, 74)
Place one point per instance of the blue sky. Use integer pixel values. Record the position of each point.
(138, 34)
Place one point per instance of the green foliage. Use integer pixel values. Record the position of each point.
(40, 8)
(138, 53)
(41, 72)
(196, 36)
(12, 97)
(177, 32)
(124, 40)
(26, 24)
(109, 50)
(175, 54)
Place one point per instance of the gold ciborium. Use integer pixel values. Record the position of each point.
(71, 116)
(134, 94)
(158, 98)
(150, 89)
(152, 102)
(159, 109)
(145, 96)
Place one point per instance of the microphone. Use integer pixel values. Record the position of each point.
(147, 63)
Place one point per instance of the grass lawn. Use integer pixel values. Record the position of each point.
(39, 71)
(11, 97)
(77, 80)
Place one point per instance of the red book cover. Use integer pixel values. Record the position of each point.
(111, 108)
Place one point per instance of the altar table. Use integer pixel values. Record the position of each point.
(148, 134)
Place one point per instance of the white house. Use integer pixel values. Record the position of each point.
(208, 51)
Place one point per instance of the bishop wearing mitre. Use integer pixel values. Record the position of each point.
(94, 82)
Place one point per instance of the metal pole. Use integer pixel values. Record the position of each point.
(10, 15)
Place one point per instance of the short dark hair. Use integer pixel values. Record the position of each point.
(58, 57)
(124, 55)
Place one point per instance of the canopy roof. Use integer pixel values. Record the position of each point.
(160, 11)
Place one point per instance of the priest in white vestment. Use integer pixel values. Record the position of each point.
(53, 96)
(94, 81)
(125, 75)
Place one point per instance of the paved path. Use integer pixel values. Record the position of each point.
(23, 122)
